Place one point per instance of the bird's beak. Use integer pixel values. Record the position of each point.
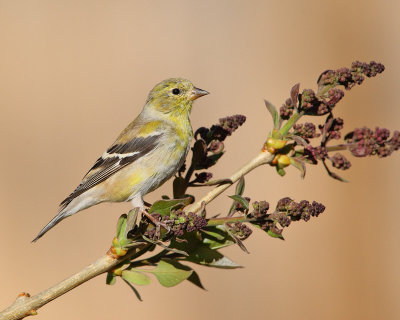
(197, 93)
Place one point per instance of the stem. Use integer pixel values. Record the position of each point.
(262, 158)
(219, 221)
(22, 307)
(189, 174)
(289, 124)
(339, 147)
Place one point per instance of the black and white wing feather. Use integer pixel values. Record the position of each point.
(117, 157)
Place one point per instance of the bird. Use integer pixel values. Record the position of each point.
(149, 151)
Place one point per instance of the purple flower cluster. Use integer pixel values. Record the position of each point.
(325, 99)
(230, 124)
(370, 70)
(179, 222)
(306, 130)
(339, 161)
(286, 110)
(366, 142)
(299, 210)
(318, 104)
(334, 96)
(240, 230)
(260, 209)
(332, 129)
(350, 77)
(219, 132)
(203, 177)
(287, 210)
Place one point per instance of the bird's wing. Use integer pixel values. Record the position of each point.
(118, 156)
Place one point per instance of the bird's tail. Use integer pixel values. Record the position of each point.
(68, 208)
(60, 216)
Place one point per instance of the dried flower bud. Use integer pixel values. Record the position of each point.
(203, 177)
(395, 141)
(332, 128)
(306, 130)
(339, 161)
(241, 230)
(327, 78)
(260, 209)
(302, 210)
(283, 220)
(334, 96)
(366, 142)
(230, 124)
(195, 222)
(344, 78)
(216, 146)
(308, 100)
(286, 110)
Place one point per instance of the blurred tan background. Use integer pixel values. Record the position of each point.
(74, 73)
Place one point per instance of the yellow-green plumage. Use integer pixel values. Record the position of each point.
(146, 153)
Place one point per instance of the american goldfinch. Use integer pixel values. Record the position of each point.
(146, 153)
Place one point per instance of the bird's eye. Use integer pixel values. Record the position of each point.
(176, 91)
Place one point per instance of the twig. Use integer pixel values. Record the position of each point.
(27, 306)
(263, 157)
(24, 307)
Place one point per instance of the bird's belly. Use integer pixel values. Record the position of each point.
(141, 178)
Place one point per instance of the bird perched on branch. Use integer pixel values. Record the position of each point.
(146, 153)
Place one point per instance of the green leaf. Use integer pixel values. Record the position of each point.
(134, 290)
(240, 186)
(216, 237)
(206, 256)
(121, 226)
(194, 277)
(168, 275)
(111, 278)
(274, 114)
(241, 200)
(135, 277)
(270, 232)
(201, 253)
(238, 191)
(164, 207)
(131, 220)
(275, 235)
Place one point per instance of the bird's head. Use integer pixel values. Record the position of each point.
(174, 95)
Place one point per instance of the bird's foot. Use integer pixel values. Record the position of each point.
(156, 222)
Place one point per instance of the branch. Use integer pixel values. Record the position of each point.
(25, 305)
(287, 144)
(263, 157)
